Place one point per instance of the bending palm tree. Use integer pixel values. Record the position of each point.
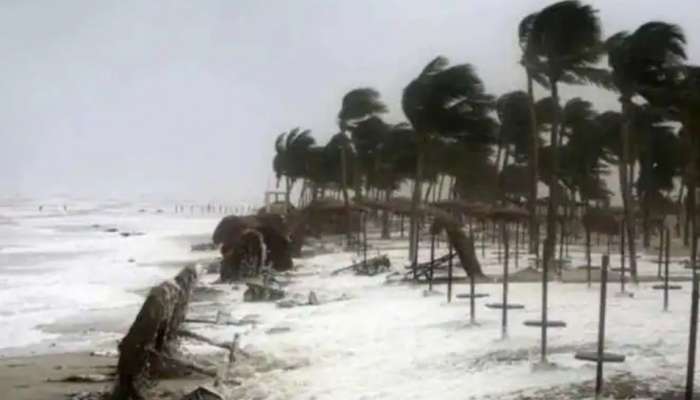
(636, 60)
(564, 39)
(358, 104)
(446, 101)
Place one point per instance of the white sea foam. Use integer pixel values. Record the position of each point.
(57, 264)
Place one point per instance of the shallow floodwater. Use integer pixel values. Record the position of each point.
(64, 271)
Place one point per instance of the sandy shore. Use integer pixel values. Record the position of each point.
(39, 377)
(33, 377)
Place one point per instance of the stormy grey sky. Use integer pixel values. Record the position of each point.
(184, 98)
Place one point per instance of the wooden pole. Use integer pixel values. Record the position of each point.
(543, 344)
(517, 242)
(449, 275)
(692, 342)
(472, 305)
(364, 240)
(622, 256)
(668, 245)
(483, 239)
(690, 374)
(432, 262)
(601, 325)
(498, 242)
(561, 245)
(588, 256)
(504, 320)
(661, 250)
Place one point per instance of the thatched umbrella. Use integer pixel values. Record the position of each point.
(236, 233)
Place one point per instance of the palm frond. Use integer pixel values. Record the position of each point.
(360, 103)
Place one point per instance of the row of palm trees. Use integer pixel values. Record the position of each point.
(485, 145)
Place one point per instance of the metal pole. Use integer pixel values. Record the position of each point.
(601, 325)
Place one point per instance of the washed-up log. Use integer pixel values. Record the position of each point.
(85, 378)
(153, 332)
(185, 364)
(427, 268)
(258, 291)
(186, 280)
(214, 322)
(203, 393)
(373, 266)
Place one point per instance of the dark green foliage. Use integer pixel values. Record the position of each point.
(292, 148)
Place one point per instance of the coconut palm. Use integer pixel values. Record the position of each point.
(445, 101)
(564, 40)
(290, 159)
(529, 61)
(638, 61)
(357, 105)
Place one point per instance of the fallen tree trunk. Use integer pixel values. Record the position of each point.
(153, 331)
(374, 264)
(463, 244)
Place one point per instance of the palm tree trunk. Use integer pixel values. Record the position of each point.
(440, 185)
(415, 203)
(532, 163)
(386, 232)
(302, 193)
(344, 183)
(287, 193)
(427, 192)
(645, 220)
(552, 211)
(625, 181)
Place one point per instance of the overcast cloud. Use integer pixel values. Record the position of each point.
(185, 98)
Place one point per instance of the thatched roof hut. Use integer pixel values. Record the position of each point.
(605, 221)
(509, 214)
(272, 227)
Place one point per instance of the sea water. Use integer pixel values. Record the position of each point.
(67, 260)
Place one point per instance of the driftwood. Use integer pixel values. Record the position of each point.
(147, 348)
(426, 268)
(214, 322)
(185, 364)
(203, 393)
(373, 266)
(260, 291)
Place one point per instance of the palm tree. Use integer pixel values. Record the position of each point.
(290, 159)
(443, 101)
(638, 61)
(357, 105)
(530, 62)
(564, 40)
(658, 150)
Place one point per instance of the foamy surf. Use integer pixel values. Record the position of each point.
(79, 263)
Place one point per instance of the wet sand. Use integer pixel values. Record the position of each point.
(36, 377)
(32, 377)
